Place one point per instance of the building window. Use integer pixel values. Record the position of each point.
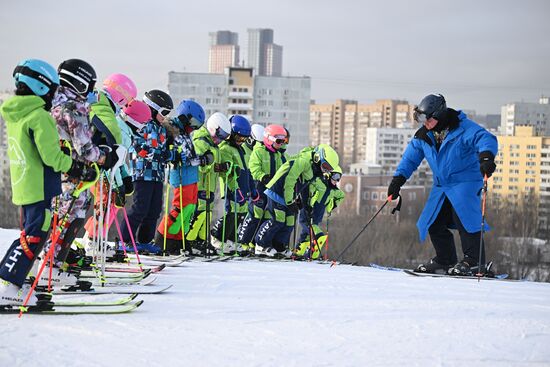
(374, 196)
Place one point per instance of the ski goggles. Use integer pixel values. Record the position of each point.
(162, 110)
(220, 134)
(420, 116)
(335, 176)
(190, 121)
(278, 139)
(79, 84)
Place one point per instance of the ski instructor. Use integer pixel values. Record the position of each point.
(460, 153)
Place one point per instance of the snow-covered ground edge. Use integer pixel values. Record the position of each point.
(253, 313)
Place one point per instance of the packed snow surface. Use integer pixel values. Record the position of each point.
(253, 313)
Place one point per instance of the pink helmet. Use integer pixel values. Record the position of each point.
(121, 89)
(136, 114)
(274, 134)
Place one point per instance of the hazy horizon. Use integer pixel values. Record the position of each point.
(479, 54)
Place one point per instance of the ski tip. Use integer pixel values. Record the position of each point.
(333, 263)
(133, 296)
(138, 303)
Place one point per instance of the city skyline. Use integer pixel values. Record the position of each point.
(480, 55)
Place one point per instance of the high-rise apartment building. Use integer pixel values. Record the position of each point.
(265, 57)
(523, 169)
(223, 52)
(344, 124)
(523, 113)
(262, 99)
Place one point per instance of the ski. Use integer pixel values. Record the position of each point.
(108, 282)
(92, 300)
(496, 277)
(131, 268)
(70, 310)
(139, 289)
(84, 274)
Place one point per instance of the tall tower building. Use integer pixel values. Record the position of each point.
(263, 55)
(224, 51)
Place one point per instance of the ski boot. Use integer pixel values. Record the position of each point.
(462, 268)
(12, 295)
(432, 267)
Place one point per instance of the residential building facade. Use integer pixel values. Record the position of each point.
(523, 169)
(524, 113)
(264, 100)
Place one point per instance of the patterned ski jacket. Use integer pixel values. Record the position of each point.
(186, 170)
(149, 153)
(71, 116)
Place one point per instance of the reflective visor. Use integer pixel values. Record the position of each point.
(326, 167)
(220, 134)
(420, 117)
(335, 176)
(239, 138)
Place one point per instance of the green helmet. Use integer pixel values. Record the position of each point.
(326, 158)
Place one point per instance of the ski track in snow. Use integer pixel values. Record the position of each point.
(252, 313)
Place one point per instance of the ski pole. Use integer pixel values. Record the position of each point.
(55, 236)
(167, 187)
(361, 231)
(224, 216)
(235, 214)
(181, 219)
(207, 216)
(481, 272)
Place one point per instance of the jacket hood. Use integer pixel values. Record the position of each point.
(17, 107)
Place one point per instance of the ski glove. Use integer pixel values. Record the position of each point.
(128, 185)
(119, 197)
(222, 167)
(293, 208)
(111, 157)
(395, 186)
(81, 172)
(487, 164)
(206, 159)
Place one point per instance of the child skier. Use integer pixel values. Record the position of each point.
(35, 162)
(264, 162)
(183, 177)
(237, 186)
(206, 139)
(149, 155)
(311, 215)
(284, 193)
(70, 111)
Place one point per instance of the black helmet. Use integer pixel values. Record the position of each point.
(77, 75)
(432, 105)
(159, 101)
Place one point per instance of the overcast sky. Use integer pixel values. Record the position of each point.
(479, 54)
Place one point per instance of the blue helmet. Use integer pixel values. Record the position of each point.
(240, 125)
(38, 75)
(190, 113)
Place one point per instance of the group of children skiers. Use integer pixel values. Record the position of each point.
(73, 144)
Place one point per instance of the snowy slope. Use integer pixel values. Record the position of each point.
(253, 313)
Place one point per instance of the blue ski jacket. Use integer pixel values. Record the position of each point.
(456, 173)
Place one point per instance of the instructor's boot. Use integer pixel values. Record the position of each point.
(432, 267)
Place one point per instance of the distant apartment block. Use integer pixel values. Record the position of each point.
(223, 52)
(264, 56)
(524, 113)
(264, 100)
(344, 124)
(523, 169)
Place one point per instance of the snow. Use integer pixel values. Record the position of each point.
(253, 313)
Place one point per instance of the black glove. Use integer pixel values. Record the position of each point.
(128, 185)
(81, 172)
(487, 164)
(265, 179)
(66, 150)
(395, 186)
(206, 159)
(221, 167)
(111, 158)
(119, 197)
(293, 208)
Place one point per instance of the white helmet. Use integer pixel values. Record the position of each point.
(258, 132)
(219, 127)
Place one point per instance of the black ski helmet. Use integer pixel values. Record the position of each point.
(159, 102)
(432, 105)
(77, 75)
